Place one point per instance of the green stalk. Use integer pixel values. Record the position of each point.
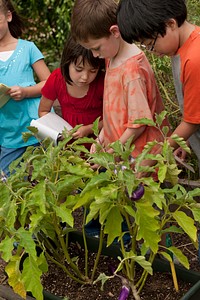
(143, 278)
(65, 269)
(85, 244)
(134, 291)
(48, 245)
(66, 253)
(126, 261)
(98, 254)
(133, 248)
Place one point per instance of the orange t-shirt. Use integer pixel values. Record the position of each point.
(130, 93)
(186, 74)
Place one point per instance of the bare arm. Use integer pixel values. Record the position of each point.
(45, 106)
(130, 132)
(42, 72)
(184, 130)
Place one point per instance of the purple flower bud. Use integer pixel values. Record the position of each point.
(124, 293)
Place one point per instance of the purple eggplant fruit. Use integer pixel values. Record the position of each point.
(124, 293)
(138, 192)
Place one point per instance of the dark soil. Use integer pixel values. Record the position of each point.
(158, 287)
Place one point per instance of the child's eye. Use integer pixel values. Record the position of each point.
(78, 70)
(94, 70)
(96, 49)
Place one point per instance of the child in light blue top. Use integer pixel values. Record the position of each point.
(19, 59)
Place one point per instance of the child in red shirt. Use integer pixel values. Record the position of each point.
(78, 86)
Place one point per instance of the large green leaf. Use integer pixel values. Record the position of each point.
(186, 223)
(31, 277)
(148, 225)
(113, 225)
(65, 214)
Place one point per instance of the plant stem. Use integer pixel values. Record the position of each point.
(134, 291)
(98, 254)
(65, 269)
(66, 253)
(85, 243)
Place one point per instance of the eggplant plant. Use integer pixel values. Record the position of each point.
(50, 182)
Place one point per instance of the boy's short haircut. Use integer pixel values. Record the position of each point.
(140, 19)
(93, 19)
(72, 52)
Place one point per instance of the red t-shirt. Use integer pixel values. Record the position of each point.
(76, 111)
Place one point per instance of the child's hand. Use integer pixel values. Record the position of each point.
(93, 148)
(82, 132)
(181, 153)
(17, 92)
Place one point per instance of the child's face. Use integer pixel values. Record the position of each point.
(106, 47)
(3, 24)
(82, 74)
(167, 45)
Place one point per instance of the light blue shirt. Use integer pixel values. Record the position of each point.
(15, 116)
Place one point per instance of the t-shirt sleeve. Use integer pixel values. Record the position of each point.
(36, 54)
(49, 90)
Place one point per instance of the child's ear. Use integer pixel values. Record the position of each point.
(9, 16)
(114, 30)
(172, 23)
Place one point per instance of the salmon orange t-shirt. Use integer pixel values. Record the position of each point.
(130, 93)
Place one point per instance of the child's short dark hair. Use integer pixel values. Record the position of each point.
(93, 19)
(140, 19)
(71, 52)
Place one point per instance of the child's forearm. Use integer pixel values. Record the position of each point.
(184, 130)
(131, 132)
(33, 91)
(45, 106)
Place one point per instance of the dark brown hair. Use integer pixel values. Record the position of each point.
(71, 52)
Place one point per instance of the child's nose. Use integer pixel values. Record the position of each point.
(95, 53)
(85, 75)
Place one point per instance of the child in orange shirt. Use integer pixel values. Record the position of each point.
(162, 27)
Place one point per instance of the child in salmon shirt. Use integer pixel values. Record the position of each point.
(130, 89)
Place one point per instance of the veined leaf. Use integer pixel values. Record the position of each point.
(37, 197)
(160, 117)
(186, 223)
(6, 248)
(31, 277)
(14, 277)
(181, 142)
(162, 172)
(113, 225)
(148, 225)
(95, 127)
(85, 199)
(65, 214)
(145, 121)
(95, 181)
